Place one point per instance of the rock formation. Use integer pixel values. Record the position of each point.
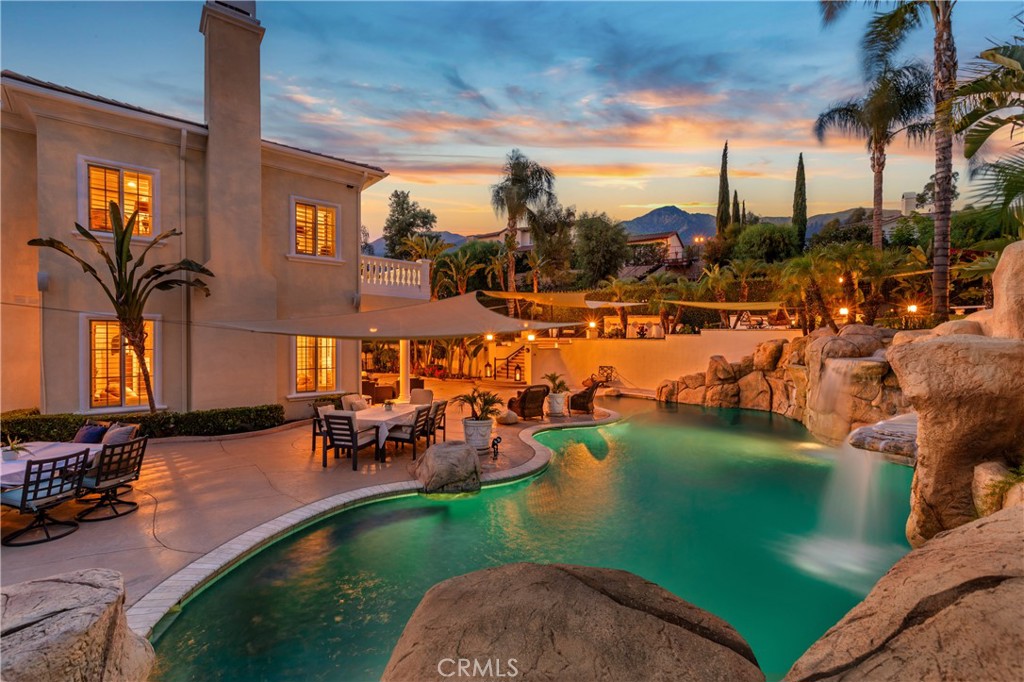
(560, 622)
(968, 391)
(70, 626)
(787, 377)
(947, 611)
(449, 467)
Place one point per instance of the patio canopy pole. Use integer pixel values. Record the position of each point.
(403, 370)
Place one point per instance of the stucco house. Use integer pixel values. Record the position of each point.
(278, 226)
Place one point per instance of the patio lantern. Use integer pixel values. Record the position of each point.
(531, 337)
(488, 371)
(519, 373)
(911, 308)
(489, 337)
(844, 311)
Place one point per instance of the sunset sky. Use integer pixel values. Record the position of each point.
(629, 103)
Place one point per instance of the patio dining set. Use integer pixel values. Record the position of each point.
(357, 425)
(36, 477)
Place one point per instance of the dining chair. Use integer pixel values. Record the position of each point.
(441, 421)
(318, 423)
(47, 483)
(341, 434)
(421, 396)
(116, 465)
(411, 433)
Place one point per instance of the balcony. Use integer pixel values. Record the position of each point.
(393, 278)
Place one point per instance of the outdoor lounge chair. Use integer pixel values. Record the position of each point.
(411, 433)
(583, 401)
(116, 466)
(340, 434)
(529, 402)
(48, 482)
(383, 392)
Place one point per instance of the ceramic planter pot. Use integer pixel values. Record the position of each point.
(557, 403)
(477, 432)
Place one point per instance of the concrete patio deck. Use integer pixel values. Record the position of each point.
(197, 494)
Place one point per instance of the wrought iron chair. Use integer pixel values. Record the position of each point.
(411, 433)
(116, 465)
(48, 482)
(340, 434)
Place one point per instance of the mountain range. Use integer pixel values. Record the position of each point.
(675, 219)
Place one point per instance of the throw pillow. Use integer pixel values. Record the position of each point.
(119, 433)
(358, 404)
(90, 433)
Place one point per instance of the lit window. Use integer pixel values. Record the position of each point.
(314, 230)
(131, 190)
(314, 364)
(116, 376)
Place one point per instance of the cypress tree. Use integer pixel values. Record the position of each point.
(722, 216)
(800, 204)
(743, 214)
(736, 219)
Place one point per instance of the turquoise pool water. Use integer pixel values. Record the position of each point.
(707, 504)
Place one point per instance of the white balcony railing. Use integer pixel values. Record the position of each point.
(391, 277)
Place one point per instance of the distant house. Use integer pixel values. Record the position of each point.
(524, 240)
(675, 253)
(278, 226)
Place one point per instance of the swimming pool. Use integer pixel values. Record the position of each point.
(707, 503)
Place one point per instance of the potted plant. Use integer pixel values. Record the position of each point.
(12, 449)
(483, 407)
(559, 394)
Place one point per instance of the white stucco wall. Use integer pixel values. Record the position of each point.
(645, 363)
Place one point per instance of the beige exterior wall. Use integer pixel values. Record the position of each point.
(645, 363)
(230, 193)
(19, 314)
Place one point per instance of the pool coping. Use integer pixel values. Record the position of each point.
(173, 592)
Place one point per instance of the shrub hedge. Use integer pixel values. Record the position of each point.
(26, 426)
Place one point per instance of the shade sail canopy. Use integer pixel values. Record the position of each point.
(731, 305)
(450, 317)
(563, 299)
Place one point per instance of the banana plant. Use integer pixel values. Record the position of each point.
(130, 286)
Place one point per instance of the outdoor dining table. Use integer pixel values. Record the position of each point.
(12, 473)
(399, 414)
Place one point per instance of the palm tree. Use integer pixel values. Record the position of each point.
(536, 264)
(744, 270)
(661, 286)
(456, 271)
(425, 247)
(982, 267)
(129, 289)
(619, 291)
(716, 280)
(848, 258)
(896, 100)
(495, 270)
(525, 187)
(880, 268)
(684, 290)
(886, 33)
(812, 271)
(789, 289)
(992, 100)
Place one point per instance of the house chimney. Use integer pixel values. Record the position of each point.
(233, 149)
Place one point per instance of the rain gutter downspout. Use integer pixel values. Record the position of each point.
(186, 301)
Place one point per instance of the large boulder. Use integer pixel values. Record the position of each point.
(947, 611)
(666, 391)
(768, 354)
(1007, 319)
(448, 467)
(755, 392)
(695, 380)
(561, 622)
(719, 371)
(967, 392)
(722, 395)
(691, 396)
(987, 474)
(70, 626)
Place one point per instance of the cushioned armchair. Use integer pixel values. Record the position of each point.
(529, 402)
(116, 466)
(583, 401)
(340, 434)
(47, 483)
